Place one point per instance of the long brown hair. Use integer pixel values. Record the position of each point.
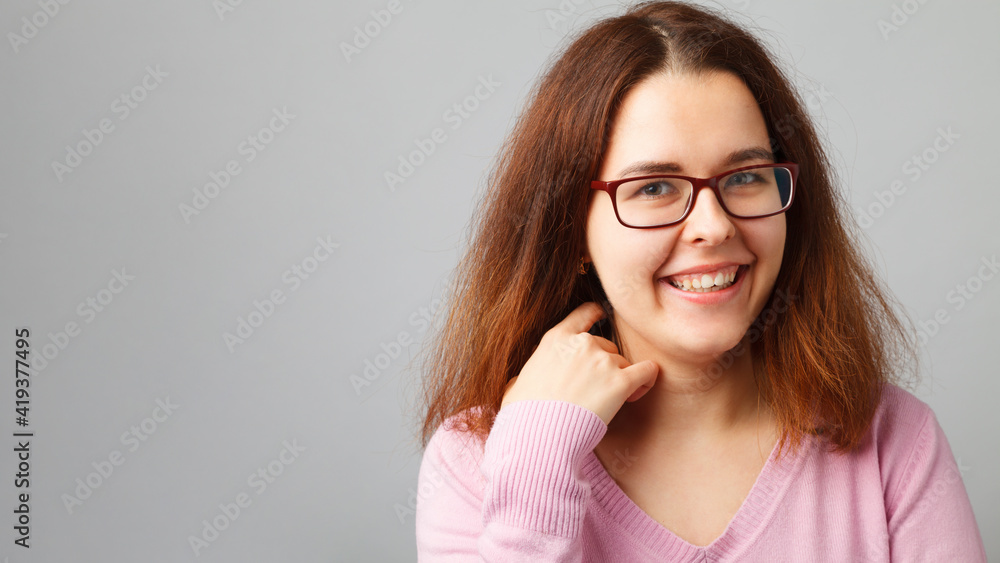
(821, 364)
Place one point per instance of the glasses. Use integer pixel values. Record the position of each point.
(750, 192)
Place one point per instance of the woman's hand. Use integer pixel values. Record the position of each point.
(570, 364)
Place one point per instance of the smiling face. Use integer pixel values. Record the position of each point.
(695, 125)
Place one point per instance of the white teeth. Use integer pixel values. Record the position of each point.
(706, 283)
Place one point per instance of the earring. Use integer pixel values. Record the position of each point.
(582, 268)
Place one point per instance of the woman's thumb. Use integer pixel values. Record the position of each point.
(643, 375)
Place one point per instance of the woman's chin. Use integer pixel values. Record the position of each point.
(684, 342)
(708, 347)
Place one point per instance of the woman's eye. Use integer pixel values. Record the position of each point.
(741, 179)
(657, 189)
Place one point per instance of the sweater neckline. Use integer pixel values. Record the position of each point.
(749, 521)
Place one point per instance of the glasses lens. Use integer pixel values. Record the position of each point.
(747, 193)
(756, 192)
(653, 201)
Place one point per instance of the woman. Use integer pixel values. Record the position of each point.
(664, 345)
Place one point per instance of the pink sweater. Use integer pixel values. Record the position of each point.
(539, 493)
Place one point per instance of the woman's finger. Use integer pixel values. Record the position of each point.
(641, 376)
(582, 318)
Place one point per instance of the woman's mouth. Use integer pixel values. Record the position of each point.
(708, 282)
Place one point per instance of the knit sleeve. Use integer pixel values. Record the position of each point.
(929, 514)
(523, 498)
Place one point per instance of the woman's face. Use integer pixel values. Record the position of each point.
(698, 125)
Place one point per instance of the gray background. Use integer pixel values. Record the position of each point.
(880, 101)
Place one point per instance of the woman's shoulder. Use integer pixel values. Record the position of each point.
(905, 435)
(900, 416)
(455, 431)
(454, 448)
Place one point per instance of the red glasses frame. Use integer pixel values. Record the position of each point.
(611, 187)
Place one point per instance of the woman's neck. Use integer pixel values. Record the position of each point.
(696, 404)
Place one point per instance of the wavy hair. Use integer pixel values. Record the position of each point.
(821, 364)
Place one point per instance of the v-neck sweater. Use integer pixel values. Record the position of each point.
(536, 491)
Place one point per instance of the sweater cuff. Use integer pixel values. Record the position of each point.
(533, 462)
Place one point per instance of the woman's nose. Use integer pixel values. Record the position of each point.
(708, 222)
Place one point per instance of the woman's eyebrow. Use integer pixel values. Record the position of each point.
(736, 157)
(746, 155)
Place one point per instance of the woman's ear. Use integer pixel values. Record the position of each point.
(584, 264)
